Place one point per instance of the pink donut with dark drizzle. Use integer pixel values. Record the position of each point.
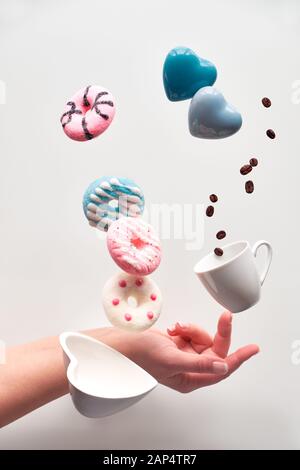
(88, 113)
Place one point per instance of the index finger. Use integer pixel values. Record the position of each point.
(222, 339)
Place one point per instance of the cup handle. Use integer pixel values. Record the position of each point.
(255, 248)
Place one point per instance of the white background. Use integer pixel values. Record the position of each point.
(53, 266)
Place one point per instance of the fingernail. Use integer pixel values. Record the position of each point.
(220, 368)
(229, 315)
(171, 329)
(182, 325)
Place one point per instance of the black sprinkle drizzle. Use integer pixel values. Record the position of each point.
(87, 134)
(98, 102)
(85, 100)
(69, 113)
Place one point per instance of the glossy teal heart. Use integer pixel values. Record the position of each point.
(184, 73)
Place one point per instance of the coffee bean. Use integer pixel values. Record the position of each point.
(249, 187)
(271, 134)
(221, 234)
(245, 169)
(266, 102)
(253, 161)
(213, 197)
(218, 251)
(210, 211)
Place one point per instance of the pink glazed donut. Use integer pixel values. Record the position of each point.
(89, 113)
(134, 246)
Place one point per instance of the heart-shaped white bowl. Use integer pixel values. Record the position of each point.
(101, 380)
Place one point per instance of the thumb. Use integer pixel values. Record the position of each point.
(182, 362)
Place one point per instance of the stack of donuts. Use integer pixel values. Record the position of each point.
(115, 205)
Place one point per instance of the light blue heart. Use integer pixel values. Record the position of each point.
(184, 73)
(211, 117)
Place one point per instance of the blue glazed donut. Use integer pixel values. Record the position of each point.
(109, 197)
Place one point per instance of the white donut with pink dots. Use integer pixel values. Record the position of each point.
(131, 302)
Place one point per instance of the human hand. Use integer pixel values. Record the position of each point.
(185, 359)
(194, 340)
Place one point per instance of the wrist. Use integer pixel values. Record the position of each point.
(113, 337)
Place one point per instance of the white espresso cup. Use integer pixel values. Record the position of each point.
(233, 279)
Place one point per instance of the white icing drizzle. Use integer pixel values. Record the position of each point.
(92, 207)
(101, 210)
(133, 262)
(106, 185)
(93, 216)
(129, 198)
(92, 223)
(115, 182)
(126, 204)
(95, 198)
(101, 192)
(136, 190)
